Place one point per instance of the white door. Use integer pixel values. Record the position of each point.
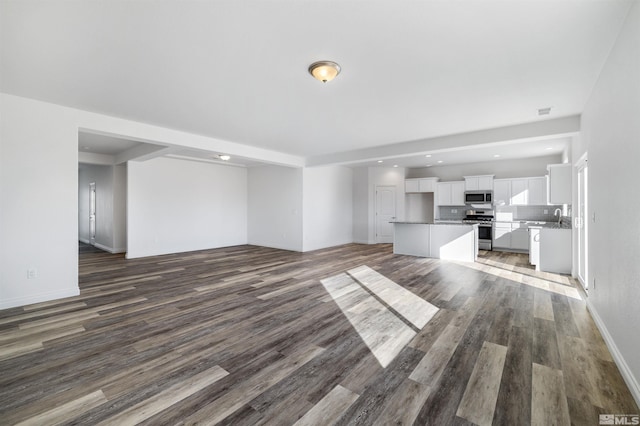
(582, 224)
(92, 213)
(385, 212)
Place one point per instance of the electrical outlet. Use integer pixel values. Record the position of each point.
(546, 211)
(32, 273)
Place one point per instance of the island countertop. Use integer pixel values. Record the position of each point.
(413, 222)
(450, 241)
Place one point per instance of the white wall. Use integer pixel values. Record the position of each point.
(360, 192)
(120, 208)
(611, 134)
(364, 185)
(275, 207)
(528, 167)
(38, 201)
(327, 207)
(102, 176)
(176, 206)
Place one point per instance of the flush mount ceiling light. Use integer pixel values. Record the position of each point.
(324, 70)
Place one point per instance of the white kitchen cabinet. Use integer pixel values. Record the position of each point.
(559, 183)
(502, 192)
(537, 191)
(511, 236)
(534, 247)
(519, 236)
(555, 250)
(427, 184)
(450, 193)
(502, 235)
(474, 183)
(411, 185)
(520, 191)
(420, 185)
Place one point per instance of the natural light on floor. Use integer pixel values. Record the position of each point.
(385, 315)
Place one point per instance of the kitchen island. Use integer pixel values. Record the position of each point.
(449, 241)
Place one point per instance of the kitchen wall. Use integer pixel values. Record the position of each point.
(327, 207)
(529, 167)
(177, 205)
(275, 207)
(610, 133)
(419, 207)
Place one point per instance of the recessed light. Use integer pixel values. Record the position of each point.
(440, 161)
(429, 165)
(86, 147)
(224, 157)
(496, 155)
(395, 165)
(548, 148)
(379, 161)
(428, 155)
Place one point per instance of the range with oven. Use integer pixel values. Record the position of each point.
(484, 219)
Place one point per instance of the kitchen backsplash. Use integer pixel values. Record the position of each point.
(511, 213)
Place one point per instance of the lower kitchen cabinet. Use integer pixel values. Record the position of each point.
(555, 250)
(510, 236)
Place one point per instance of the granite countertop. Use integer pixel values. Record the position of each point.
(538, 224)
(411, 222)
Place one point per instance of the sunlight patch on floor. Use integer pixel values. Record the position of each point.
(384, 314)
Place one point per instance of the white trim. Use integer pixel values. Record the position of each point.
(626, 372)
(84, 240)
(38, 298)
(109, 249)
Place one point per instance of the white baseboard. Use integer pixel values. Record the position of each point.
(626, 372)
(110, 249)
(84, 240)
(38, 298)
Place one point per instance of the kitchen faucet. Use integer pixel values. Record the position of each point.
(558, 212)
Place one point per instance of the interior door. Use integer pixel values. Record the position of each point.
(385, 212)
(582, 224)
(92, 213)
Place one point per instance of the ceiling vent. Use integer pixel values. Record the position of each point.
(544, 111)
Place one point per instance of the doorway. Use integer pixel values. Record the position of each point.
(92, 213)
(385, 211)
(582, 222)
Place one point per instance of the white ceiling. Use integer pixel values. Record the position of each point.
(100, 144)
(237, 71)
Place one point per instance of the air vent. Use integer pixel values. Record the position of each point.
(544, 111)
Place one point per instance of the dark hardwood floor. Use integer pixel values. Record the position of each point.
(249, 335)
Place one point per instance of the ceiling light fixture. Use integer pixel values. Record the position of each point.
(395, 165)
(439, 161)
(379, 161)
(496, 155)
(224, 157)
(428, 155)
(324, 70)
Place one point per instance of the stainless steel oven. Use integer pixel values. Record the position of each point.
(484, 219)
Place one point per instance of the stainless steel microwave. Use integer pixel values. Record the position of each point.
(478, 197)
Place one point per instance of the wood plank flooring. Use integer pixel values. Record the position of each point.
(249, 336)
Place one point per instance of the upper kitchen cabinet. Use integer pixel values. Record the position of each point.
(420, 185)
(520, 191)
(559, 183)
(538, 191)
(451, 193)
(474, 183)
